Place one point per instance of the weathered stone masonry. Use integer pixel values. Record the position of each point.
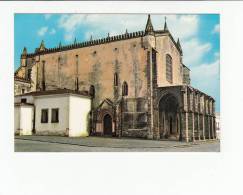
(138, 83)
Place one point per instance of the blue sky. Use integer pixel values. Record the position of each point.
(199, 36)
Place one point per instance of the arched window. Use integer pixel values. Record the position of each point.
(169, 70)
(115, 79)
(29, 74)
(92, 91)
(124, 89)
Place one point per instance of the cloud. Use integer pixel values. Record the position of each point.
(47, 16)
(216, 29)
(42, 31)
(205, 77)
(180, 26)
(70, 23)
(52, 31)
(183, 26)
(194, 51)
(208, 70)
(216, 54)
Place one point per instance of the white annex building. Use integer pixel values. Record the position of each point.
(57, 112)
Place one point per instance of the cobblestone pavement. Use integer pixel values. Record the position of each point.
(103, 144)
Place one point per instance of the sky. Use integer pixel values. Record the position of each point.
(199, 37)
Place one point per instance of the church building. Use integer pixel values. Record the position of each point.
(137, 83)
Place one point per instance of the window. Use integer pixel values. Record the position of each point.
(23, 100)
(154, 63)
(23, 91)
(124, 89)
(29, 74)
(115, 79)
(44, 116)
(169, 68)
(55, 115)
(92, 91)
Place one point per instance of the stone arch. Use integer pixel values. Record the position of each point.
(102, 113)
(107, 124)
(168, 116)
(100, 126)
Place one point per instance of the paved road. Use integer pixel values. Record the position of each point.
(101, 144)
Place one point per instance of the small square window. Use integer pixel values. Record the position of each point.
(44, 116)
(55, 115)
(23, 100)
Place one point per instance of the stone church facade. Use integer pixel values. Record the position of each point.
(138, 84)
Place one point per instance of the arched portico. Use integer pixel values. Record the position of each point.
(169, 117)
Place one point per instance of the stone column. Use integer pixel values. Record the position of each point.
(163, 124)
(198, 126)
(156, 132)
(150, 95)
(181, 125)
(203, 130)
(212, 121)
(185, 114)
(209, 133)
(193, 128)
(186, 127)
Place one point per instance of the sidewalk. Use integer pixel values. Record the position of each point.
(108, 142)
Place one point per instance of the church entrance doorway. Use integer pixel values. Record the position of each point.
(168, 117)
(107, 125)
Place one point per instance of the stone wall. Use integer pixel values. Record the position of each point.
(21, 86)
(97, 65)
(164, 45)
(135, 117)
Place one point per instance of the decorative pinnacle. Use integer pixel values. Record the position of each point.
(179, 45)
(24, 51)
(42, 46)
(178, 42)
(149, 29)
(91, 38)
(165, 25)
(75, 41)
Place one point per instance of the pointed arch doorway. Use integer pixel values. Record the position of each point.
(107, 125)
(168, 117)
